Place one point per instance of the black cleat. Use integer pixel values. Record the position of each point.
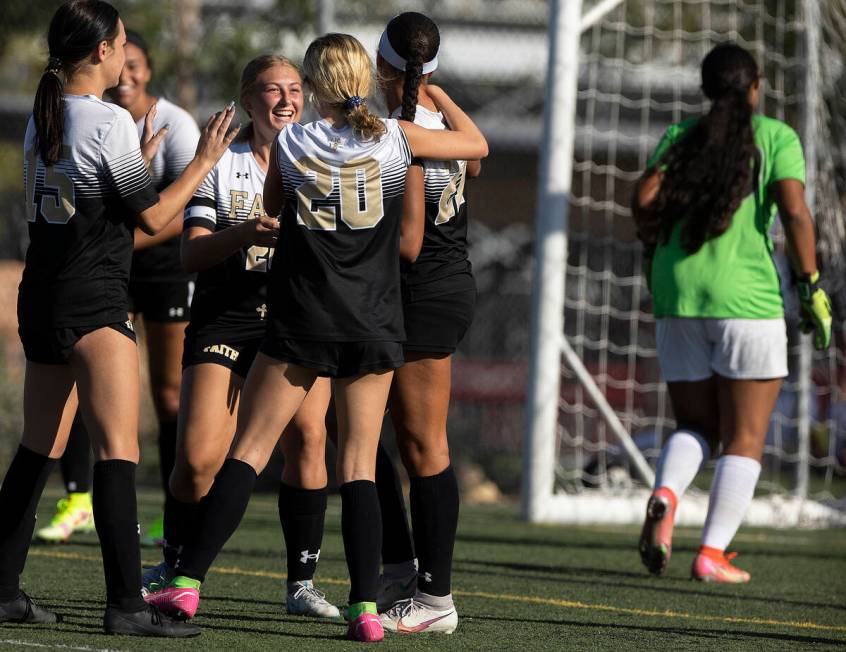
(147, 622)
(23, 610)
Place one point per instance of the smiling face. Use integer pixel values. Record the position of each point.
(274, 99)
(131, 88)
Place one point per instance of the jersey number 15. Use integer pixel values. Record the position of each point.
(54, 200)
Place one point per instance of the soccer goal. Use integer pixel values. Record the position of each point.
(620, 71)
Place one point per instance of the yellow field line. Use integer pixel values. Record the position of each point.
(508, 597)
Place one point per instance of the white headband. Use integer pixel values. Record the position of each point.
(390, 55)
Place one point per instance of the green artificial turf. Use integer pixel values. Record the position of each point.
(517, 587)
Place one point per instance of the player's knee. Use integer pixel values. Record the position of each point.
(424, 456)
(166, 399)
(313, 444)
(191, 479)
(746, 443)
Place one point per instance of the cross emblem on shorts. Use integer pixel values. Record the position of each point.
(262, 310)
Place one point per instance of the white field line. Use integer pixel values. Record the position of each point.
(53, 646)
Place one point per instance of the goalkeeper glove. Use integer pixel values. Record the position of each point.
(814, 310)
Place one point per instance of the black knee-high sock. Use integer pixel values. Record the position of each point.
(19, 496)
(76, 461)
(301, 513)
(396, 539)
(361, 525)
(167, 453)
(116, 520)
(220, 513)
(180, 526)
(434, 519)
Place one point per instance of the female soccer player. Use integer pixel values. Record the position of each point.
(439, 294)
(87, 187)
(705, 205)
(334, 306)
(229, 240)
(159, 289)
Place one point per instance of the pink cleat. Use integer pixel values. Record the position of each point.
(367, 628)
(656, 538)
(711, 565)
(175, 601)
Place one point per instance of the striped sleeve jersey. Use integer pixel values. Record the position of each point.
(335, 276)
(230, 297)
(444, 251)
(82, 212)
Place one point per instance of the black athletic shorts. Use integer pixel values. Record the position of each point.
(162, 301)
(55, 345)
(336, 359)
(237, 356)
(436, 323)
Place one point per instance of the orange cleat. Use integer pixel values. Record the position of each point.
(656, 538)
(712, 565)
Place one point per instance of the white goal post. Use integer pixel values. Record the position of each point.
(619, 72)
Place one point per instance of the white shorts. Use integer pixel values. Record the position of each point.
(691, 349)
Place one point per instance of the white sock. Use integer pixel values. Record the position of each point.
(731, 492)
(681, 458)
(434, 601)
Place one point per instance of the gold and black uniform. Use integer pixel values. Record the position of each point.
(438, 289)
(229, 308)
(82, 214)
(335, 278)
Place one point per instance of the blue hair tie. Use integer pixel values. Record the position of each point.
(353, 102)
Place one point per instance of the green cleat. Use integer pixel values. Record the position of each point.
(154, 537)
(73, 514)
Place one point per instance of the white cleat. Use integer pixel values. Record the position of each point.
(305, 600)
(412, 616)
(393, 590)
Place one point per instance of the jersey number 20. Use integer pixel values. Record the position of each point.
(352, 193)
(55, 200)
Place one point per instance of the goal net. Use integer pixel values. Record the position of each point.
(638, 72)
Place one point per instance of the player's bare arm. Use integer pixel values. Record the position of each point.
(214, 140)
(413, 214)
(463, 140)
(203, 248)
(798, 224)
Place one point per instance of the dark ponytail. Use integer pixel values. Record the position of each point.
(75, 30)
(416, 39)
(713, 168)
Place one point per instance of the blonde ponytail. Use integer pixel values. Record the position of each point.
(340, 74)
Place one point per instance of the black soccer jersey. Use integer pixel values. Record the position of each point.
(82, 212)
(230, 298)
(335, 276)
(444, 251)
(175, 152)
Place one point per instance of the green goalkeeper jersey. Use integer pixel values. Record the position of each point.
(732, 275)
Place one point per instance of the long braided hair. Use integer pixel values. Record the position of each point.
(416, 39)
(712, 169)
